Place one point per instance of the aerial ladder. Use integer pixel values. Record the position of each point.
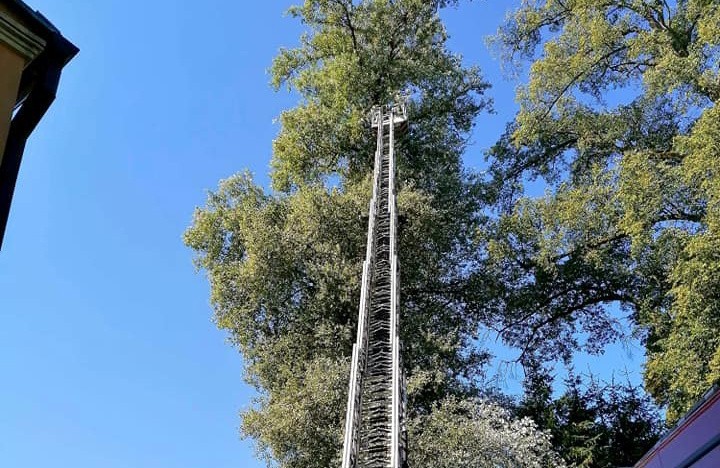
(375, 435)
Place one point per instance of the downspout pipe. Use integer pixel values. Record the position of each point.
(45, 73)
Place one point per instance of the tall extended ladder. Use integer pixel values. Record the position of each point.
(374, 424)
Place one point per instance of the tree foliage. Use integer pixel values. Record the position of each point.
(629, 222)
(593, 424)
(477, 433)
(619, 119)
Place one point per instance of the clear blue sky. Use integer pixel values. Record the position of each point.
(109, 357)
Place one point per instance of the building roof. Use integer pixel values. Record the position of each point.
(694, 436)
(37, 23)
(57, 47)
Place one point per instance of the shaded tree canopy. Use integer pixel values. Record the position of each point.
(619, 119)
(592, 423)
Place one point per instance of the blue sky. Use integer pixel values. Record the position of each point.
(109, 356)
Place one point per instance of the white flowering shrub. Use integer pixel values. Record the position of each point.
(478, 434)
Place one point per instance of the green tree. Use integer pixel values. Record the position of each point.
(593, 424)
(285, 267)
(618, 118)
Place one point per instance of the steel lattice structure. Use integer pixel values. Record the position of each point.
(374, 426)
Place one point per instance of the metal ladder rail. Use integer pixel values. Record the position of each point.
(375, 419)
(359, 353)
(395, 431)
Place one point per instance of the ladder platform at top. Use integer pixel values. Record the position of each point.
(397, 112)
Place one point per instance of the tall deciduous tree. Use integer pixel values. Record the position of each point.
(285, 267)
(619, 117)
